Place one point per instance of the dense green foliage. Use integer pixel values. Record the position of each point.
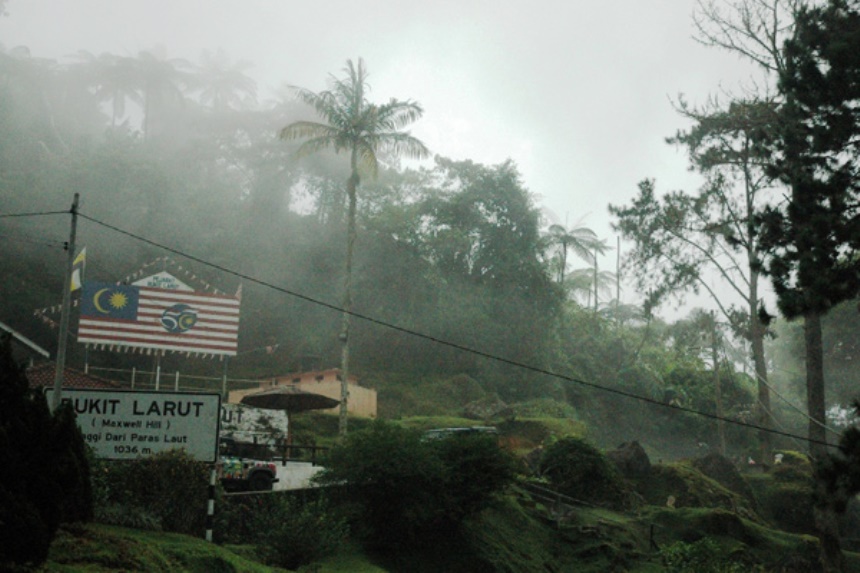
(44, 473)
(294, 532)
(702, 556)
(581, 471)
(166, 491)
(402, 486)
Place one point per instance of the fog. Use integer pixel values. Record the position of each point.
(564, 111)
(578, 94)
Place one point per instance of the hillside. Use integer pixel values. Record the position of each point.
(509, 538)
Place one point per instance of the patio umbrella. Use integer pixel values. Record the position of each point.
(290, 400)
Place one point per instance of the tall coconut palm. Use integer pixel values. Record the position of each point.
(223, 84)
(364, 130)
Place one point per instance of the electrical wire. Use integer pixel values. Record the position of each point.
(33, 214)
(60, 244)
(774, 420)
(447, 343)
(797, 409)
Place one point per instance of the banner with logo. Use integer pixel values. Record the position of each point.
(158, 319)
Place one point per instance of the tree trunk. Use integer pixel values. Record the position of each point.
(826, 518)
(351, 185)
(760, 366)
(718, 392)
(815, 384)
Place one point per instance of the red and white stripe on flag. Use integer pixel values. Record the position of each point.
(170, 320)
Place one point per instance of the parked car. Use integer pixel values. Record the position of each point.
(237, 472)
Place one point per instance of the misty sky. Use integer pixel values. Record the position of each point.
(577, 93)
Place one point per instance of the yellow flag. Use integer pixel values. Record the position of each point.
(78, 270)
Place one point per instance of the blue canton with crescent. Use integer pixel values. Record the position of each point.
(104, 300)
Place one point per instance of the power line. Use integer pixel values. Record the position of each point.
(450, 344)
(33, 214)
(795, 408)
(44, 243)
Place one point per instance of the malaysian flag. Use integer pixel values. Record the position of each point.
(158, 319)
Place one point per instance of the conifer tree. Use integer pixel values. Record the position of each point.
(44, 477)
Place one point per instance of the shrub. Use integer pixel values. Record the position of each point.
(170, 486)
(402, 487)
(703, 556)
(292, 533)
(581, 471)
(475, 469)
(72, 463)
(393, 479)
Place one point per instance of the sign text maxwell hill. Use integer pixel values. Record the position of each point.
(125, 425)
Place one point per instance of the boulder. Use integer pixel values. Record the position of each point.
(723, 471)
(631, 460)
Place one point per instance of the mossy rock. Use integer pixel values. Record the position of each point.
(794, 467)
(680, 485)
(723, 471)
(579, 470)
(785, 494)
(752, 543)
(788, 505)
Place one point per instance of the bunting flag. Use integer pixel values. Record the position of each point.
(78, 270)
(158, 319)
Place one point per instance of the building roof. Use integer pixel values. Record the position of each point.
(42, 376)
(24, 340)
(325, 373)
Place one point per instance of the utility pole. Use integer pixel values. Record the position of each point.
(66, 308)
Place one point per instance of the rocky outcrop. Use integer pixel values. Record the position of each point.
(631, 460)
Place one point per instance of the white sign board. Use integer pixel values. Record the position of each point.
(124, 425)
(163, 280)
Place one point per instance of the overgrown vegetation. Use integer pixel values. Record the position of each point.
(400, 487)
(581, 471)
(165, 492)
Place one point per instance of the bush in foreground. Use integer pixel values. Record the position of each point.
(400, 487)
(293, 533)
(167, 491)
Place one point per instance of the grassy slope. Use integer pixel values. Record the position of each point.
(95, 548)
(507, 538)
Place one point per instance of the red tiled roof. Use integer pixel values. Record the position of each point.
(42, 376)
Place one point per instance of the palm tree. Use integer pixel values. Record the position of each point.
(580, 284)
(364, 130)
(223, 84)
(581, 240)
(113, 78)
(162, 80)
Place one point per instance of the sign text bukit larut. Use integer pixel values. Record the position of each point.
(124, 425)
